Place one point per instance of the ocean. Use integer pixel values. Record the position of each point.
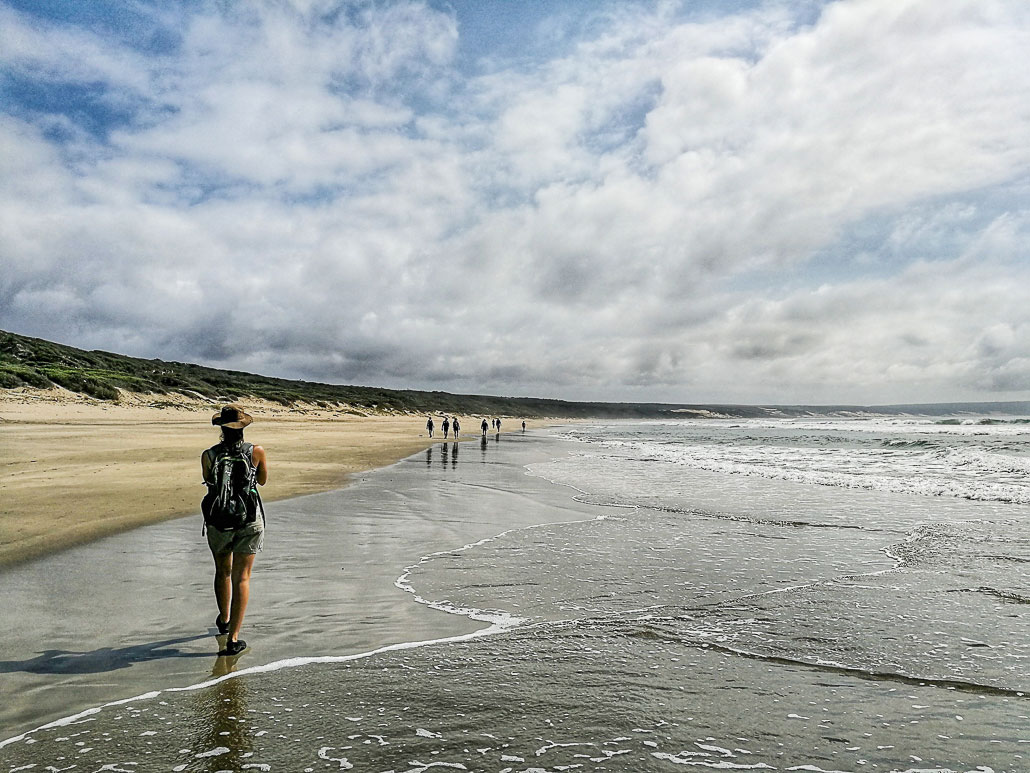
(802, 595)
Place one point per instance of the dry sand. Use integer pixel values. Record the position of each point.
(73, 469)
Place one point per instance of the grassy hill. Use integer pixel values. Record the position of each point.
(35, 362)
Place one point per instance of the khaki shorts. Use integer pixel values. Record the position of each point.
(246, 540)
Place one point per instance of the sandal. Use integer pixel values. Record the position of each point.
(234, 647)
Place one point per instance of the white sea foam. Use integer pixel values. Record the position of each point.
(87, 715)
(498, 622)
(685, 758)
(323, 754)
(876, 425)
(216, 752)
(912, 457)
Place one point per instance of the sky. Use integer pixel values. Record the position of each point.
(695, 202)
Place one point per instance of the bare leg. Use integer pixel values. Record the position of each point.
(241, 567)
(223, 585)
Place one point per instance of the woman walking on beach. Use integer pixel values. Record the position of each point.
(234, 518)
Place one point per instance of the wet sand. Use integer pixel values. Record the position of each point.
(73, 470)
(134, 612)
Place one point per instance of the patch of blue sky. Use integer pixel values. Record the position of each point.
(499, 33)
(494, 33)
(88, 107)
(148, 28)
(405, 93)
(802, 13)
(321, 195)
(356, 85)
(194, 188)
(196, 185)
(805, 11)
(496, 196)
(625, 123)
(796, 15)
(884, 243)
(939, 228)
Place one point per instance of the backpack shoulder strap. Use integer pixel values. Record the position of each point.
(210, 455)
(248, 450)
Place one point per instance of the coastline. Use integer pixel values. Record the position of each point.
(75, 469)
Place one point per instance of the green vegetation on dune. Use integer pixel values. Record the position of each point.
(34, 362)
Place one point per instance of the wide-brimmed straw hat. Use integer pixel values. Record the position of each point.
(232, 416)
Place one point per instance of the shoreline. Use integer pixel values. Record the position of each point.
(75, 469)
(343, 574)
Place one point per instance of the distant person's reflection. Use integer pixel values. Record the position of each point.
(454, 455)
(482, 444)
(429, 456)
(222, 723)
(445, 454)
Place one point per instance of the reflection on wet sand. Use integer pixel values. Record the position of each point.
(448, 453)
(222, 738)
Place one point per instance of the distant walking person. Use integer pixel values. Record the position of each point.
(483, 425)
(498, 425)
(446, 427)
(456, 426)
(429, 426)
(234, 518)
(523, 425)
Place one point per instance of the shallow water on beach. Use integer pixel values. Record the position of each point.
(666, 615)
(135, 612)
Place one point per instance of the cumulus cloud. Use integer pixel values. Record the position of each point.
(793, 203)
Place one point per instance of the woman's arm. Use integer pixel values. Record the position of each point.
(261, 464)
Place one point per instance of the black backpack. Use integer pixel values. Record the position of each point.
(232, 500)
